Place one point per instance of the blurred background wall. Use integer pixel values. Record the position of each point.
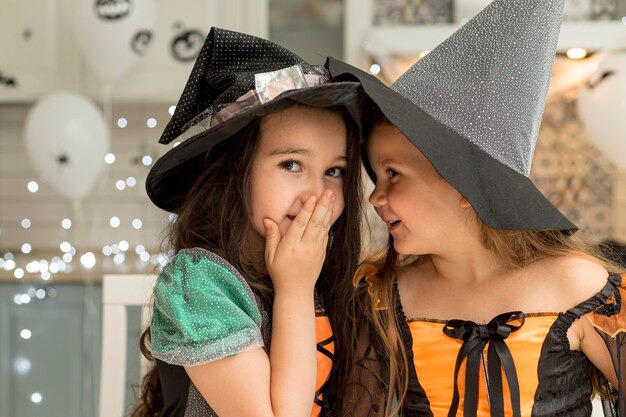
(73, 210)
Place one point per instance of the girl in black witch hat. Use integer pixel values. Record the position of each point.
(266, 188)
(486, 302)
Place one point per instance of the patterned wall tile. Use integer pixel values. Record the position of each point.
(606, 9)
(410, 12)
(570, 171)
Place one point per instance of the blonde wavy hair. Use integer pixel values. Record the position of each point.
(516, 249)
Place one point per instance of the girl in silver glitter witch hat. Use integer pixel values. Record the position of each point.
(265, 183)
(486, 302)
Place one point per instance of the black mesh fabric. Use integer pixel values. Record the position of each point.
(564, 375)
(366, 390)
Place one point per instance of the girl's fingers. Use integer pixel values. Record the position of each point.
(320, 219)
(329, 214)
(300, 222)
(303, 247)
(272, 239)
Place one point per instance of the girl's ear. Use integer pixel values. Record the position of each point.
(464, 203)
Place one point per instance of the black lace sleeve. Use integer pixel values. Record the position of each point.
(609, 319)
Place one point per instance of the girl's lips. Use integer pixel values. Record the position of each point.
(393, 225)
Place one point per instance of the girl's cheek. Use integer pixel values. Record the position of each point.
(339, 205)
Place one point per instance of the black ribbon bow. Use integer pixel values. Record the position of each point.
(475, 337)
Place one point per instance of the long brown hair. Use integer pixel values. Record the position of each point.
(211, 217)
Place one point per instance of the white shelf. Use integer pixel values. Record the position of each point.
(405, 40)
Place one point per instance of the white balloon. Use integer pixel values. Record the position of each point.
(113, 34)
(66, 139)
(602, 107)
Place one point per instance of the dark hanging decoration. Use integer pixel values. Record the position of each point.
(187, 44)
(140, 42)
(8, 80)
(112, 9)
(62, 159)
(600, 79)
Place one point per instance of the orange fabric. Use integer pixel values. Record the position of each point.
(367, 271)
(371, 274)
(323, 332)
(610, 317)
(435, 354)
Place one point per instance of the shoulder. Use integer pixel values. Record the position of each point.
(201, 300)
(574, 279)
(198, 259)
(197, 265)
(197, 273)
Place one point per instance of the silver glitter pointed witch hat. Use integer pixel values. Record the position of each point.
(489, 80)
(473, 107)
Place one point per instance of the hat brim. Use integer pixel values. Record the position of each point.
(502, 197)
(171, 177)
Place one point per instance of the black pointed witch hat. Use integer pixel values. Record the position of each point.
(236, 79)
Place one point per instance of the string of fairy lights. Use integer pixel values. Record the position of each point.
(66, 260)
(113, 256)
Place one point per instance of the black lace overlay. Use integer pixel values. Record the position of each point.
(564, 375)
(612, 306)
(365, 393)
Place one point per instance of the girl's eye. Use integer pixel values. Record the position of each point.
(391, 173)
(336, 172)
(293, 166)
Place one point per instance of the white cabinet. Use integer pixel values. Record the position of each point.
(364, 40)
(59, 362)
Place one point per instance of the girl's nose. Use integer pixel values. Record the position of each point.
(377, 197)
(315, 186)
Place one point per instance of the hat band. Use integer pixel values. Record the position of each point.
(268, 86)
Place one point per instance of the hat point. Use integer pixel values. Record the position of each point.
(489, 80)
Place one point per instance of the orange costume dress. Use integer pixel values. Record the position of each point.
(516, 365)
